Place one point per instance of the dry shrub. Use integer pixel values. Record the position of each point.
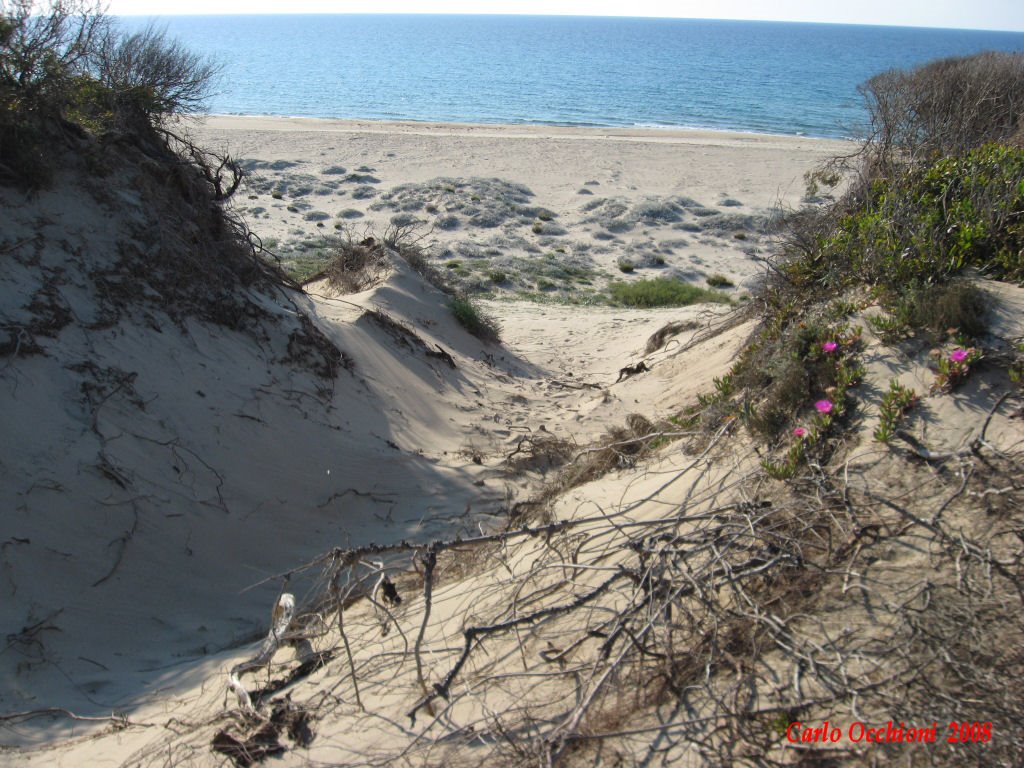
(407, 242)
(660, 337)
(619, 449)
(540, 453)
(455, 565)
(945, 107)
(355, 264)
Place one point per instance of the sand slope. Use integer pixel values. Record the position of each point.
(156, 469)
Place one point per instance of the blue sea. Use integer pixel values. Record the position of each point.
(766, 77)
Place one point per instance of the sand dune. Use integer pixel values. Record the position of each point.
(180, 456)
(169, 470)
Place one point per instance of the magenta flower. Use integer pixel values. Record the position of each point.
(823, 406)
(829, 346)
(958, 355)
(800, 432)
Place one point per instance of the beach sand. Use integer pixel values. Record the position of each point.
(493, 201)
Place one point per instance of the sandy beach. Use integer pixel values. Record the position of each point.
(611, 203)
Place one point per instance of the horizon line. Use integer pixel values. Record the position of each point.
(573, 16)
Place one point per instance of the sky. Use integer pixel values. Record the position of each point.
(962, 14)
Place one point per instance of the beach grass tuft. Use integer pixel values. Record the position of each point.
(474, 319)
(662, 292)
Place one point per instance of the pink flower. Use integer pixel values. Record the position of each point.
(823, 406)
(958, 355)
(800, 432)
(829, 346)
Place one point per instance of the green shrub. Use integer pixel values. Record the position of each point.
(921, 226)
(63, 60)
(662, 292)
(955, 306)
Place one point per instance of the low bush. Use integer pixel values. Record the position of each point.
(919, 226)
(958, 306)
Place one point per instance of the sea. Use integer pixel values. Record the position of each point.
(763, 77)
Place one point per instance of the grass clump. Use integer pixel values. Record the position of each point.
(956, 307)
(662, 292)
(718, 280)
(474, 319)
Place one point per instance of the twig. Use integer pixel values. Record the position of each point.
(429, 562)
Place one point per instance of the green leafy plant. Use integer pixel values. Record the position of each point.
(952, 368)
(1016, 370)
(895, 405)
(723, 391)
(920, 226)
(889, 328)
